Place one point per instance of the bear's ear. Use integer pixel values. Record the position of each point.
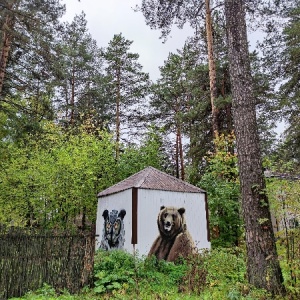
(105, 214)
(162, 207)
(122, 213)
(181, 210)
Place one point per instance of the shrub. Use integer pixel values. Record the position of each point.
(120, 273)
(226, 276)
(114, 270)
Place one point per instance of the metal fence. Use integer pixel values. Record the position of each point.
(29, 258)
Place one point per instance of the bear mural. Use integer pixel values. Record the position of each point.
(113, 236)
(174, 240)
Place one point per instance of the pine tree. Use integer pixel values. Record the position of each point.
(27, 34)
(162, 14)
(263, 267)
(27, 31)
(289, 89)
(79, 77)
(171, 101)
(280, 48)
(127, 85)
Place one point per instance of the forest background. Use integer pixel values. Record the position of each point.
(77, 117)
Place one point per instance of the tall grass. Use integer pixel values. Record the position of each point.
(218, 274)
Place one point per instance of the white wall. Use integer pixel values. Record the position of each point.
(122, 200)
(149, 203)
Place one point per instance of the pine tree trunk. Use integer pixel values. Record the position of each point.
(177, 155)
(212, 69)
(263, 268)
(72, 102)
(6, 42)
(118, 122)
(180, 148)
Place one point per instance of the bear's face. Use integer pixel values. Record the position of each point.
(170, 221)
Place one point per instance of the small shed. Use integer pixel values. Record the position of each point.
(127, 211)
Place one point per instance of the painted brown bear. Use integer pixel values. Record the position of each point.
(174, 239)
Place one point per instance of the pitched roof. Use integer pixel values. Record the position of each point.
(151, 178)
(287, 176)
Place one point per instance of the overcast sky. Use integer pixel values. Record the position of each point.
(108, 17)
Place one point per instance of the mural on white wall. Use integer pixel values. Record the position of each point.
(113, 236)
(174, 239)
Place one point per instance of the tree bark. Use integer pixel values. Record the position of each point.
(118, 122)
(177, 155)
(212, 69)
(72, 102)
(6, 41)
(180, 149)
(263, 268)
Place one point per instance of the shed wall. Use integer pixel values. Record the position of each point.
(118, 201)
(149, 203)
(148, 207)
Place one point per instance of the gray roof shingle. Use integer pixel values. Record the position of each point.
(151, 178)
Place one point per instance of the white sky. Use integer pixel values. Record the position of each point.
(108, 17)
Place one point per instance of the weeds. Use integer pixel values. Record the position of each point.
(218, 274)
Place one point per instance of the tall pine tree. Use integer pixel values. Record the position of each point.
(127, 85)
(263, 267)
(79, 77)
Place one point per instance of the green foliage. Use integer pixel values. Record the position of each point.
(118, 272)
(284, 202)
(30, 65)
(284, 198)
(51, 181)
(181, 105)
(46, 292)
(222, 185)
(126, 86)
(113, 271)
(148, 153)
(288, 250)
(195, 277)
(79, 80)
(221, 275)
(218, 274)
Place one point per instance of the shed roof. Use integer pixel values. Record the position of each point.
(151, 178)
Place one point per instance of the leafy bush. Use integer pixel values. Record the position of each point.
(288, 242)
(47, 292)
(226, 276)
(118, 272)
(218, 274)
(113, 270)
(195, 277)
(222, 185)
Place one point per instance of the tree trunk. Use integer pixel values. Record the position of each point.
(72, 102)
(6, 42)
(177, 155)
(263, 268)
(180, 149)
(118, 101)
(212, 69)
